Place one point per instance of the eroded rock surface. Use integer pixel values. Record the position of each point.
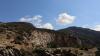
(23, 38)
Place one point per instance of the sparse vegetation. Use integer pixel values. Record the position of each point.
(26, 40)
(51, 45)
(98, 52)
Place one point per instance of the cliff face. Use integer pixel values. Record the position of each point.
(25, 37)
(20, 32)
(44, 37)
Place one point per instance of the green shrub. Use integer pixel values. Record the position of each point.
(51, 45)
(39, 52)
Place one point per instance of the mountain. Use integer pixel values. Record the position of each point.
(22, 32)
(26, 40)
(85, 34)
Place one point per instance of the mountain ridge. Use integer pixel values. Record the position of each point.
(26, 38)
(83, 33)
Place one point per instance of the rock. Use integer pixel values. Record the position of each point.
(21, 39)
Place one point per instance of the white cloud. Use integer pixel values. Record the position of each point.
(97, 28)
(37, 21)
(24, 19)
(48, 26)
(65, 18)
(37, 17)
(86, 26)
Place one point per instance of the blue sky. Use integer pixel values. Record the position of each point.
(86, 12)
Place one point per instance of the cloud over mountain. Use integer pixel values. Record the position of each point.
(97, 28)
(37, 21)
(65, 18)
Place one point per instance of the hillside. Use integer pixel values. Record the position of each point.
(25, 39)
(84, 34)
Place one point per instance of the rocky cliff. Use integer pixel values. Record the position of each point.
(21, 32)
(22, 38)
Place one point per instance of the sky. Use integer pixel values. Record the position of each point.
(52, 14)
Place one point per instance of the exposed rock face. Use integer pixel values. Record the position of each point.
(64, 52)
(44, 37)
(24, 36)
(20, 32)
(9, 51)
(88, 37)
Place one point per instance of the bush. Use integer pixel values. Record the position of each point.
(51, 45)
(39, 52)
(97, 53)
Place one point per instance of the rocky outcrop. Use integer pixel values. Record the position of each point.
(9, 51)
(89, 38)
(24, 38)
(21, 32)
(64, 52)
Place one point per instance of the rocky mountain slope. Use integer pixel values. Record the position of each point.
(23, 38)
(86, 35)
